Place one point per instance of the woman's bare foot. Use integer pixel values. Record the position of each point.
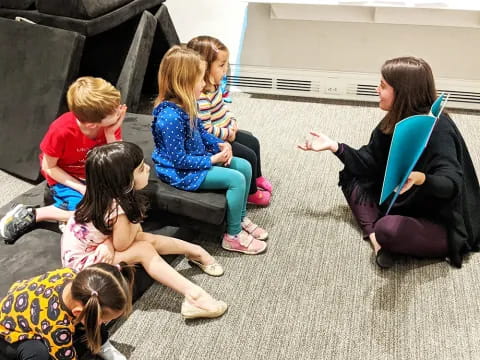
(373, 240)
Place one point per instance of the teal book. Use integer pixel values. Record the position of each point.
(409, 140)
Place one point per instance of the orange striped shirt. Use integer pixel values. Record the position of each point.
(214, 114)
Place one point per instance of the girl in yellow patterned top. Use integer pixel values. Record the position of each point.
(39, 317)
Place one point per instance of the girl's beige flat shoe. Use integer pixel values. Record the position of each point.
(214, 269)
(190, 311)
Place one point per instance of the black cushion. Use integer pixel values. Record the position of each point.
(35, 252)
(81, 9)
(166, 30)
(36, 65)
(165, 37)
(38, 251)
(131, 76)
(207, 207)
(16, 4)
(169, 206)
(87, 27)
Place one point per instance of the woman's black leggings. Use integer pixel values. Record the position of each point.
(247, 146)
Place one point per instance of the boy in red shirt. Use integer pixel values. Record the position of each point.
(95, 118)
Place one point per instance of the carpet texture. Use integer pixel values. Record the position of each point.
(315, 293)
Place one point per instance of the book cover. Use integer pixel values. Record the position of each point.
(409, 140)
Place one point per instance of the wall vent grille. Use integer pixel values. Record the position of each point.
(249, 81)
(467, 97)
(295, 85)
(337, 85)
(366, 90)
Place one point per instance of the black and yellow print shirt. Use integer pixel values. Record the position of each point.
(33, 309)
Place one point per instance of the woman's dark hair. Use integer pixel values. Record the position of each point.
(414, 88)
(109, 172)
(99, 287)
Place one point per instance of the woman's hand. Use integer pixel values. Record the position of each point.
(415, 178)
(318, 142)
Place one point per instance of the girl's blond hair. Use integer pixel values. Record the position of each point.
(179, 71)
(208, 47)
(91, 99)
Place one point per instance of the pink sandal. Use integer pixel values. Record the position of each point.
(253, 229)
(264, 184)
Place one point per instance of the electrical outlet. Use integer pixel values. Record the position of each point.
(334, 87)
(332, 90)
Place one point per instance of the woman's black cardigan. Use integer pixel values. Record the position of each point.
(449, 196)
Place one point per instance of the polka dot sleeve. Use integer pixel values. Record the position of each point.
(173, 134)
(211, 141)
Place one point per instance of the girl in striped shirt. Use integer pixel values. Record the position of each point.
(219, 121)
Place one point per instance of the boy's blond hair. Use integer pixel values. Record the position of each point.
(91, 99)
(208, 47)
(180, 69)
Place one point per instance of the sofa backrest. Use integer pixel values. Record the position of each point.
(37, 64)
(80, 9)
(17, 4)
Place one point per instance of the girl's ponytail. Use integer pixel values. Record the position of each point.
(102, 287)
(91, 315)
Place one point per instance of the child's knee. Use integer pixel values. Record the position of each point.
(237, 178)
(244, 167)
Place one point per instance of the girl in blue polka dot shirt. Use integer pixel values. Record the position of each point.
(188, 157)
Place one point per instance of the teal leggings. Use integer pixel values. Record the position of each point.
(236, 180)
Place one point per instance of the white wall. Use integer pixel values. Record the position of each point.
(453, 52)
(223, 19)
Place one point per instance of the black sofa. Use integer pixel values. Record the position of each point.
(120, 45)
(39, 250)
(37, 65)
(123, 44)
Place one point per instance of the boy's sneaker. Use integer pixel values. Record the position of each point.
(109, 352)
(244, 243)
(17, 222)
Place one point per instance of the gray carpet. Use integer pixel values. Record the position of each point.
(315, 293)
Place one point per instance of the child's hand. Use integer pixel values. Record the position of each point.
(231, 136)
(105, 252)
(232, 132)
(219, 158)
(318, 142)
(110, 130)
(224, 156)
(415, 178)
(227, 148)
